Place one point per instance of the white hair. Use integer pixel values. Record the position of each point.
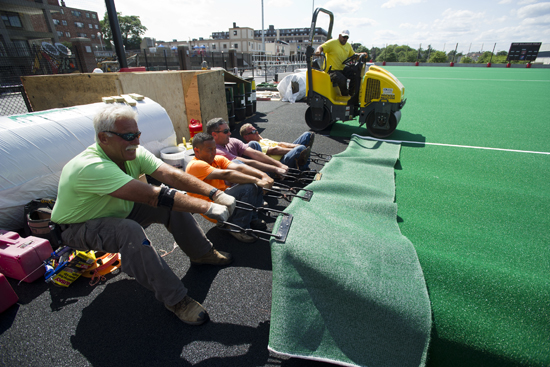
(105, 119)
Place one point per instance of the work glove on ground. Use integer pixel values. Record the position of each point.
(218, 212)
(227, 200)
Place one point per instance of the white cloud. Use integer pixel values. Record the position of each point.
(457, 22)
(419, 25)
(394, 3)
(505, 1)
(386, 36)
(534, 10)
(279, 3)
(544, 21)
(523, 2)
(342, 6)
(356, 22)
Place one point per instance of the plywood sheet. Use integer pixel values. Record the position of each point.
(166, 89)
(212, 96)
(56, 91)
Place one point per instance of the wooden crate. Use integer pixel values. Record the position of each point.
(185, 95)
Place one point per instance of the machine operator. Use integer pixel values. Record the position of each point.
(336, 51)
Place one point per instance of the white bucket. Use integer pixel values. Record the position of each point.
(174, 156)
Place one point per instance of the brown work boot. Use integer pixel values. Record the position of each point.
(189, 311)
(214, 257)
(303, 157)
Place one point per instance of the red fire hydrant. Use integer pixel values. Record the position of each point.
(195, 127)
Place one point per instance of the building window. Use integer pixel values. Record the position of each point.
(93, 36)
(76, 13)
(56, 21)
(11, 20)
(81, 35)
(79, 24)
(96, 26)
(60, 33)
(64, 22)
(225, 45)
(61, 11)
(234, 33)
(87, 15)
(93, 16)
(90, 26)
(213, 46)
(22, 48)
(67, 34)
(236, 45)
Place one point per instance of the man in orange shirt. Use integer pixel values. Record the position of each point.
(241, 181)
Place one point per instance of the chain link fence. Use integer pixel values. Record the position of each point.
(13, 100)
(23, 60)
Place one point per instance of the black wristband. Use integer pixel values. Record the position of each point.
(212, 192)
(166, 197)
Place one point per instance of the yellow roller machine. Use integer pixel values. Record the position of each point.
(378, 100)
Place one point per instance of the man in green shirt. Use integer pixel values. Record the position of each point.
(103, 206)
(336, 51)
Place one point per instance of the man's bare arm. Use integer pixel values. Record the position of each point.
(141, 192)
(181, 180)
(259, 156)
(262, 166)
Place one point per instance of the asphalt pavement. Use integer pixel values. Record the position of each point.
(120, 323)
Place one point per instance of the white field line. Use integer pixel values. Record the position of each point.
(453, 145)
(491, 80)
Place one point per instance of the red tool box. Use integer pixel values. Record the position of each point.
(20, 257)
(7, 295)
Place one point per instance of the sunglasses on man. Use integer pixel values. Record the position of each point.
(225, 131)
(252, 132)
(127, 136)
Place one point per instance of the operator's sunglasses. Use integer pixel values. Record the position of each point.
(252, 132)
(127, 136)
(225, 131)
(346, 37)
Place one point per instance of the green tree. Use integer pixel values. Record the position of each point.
(358, 48)
(438, 57)
(466, 60)
(131, 30)
(485, 57)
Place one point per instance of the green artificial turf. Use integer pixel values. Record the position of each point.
(478, 218)
(347, 286)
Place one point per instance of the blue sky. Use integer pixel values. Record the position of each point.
(473, 24)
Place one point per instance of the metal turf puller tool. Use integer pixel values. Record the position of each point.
(319, 158)
(288, 193)
(296, 175)
(281, 234)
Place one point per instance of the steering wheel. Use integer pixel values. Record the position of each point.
(320, 60)
(350, 60)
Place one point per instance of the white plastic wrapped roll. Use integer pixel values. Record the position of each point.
(35, 147)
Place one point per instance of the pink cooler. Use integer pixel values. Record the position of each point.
(7, 295)
(20, 257)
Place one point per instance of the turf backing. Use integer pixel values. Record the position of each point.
(347, 286)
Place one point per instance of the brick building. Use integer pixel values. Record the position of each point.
(31, 22)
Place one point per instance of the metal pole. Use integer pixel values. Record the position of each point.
(263, 32)
(165, 59)
(117, 36)
(493, 52)
(146, 63)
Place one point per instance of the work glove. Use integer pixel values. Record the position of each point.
(227, 200)
(218, 212)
